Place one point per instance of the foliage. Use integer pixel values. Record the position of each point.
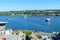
(31, 12)
(28, 33)
(59, 33)
(22, 39)
(39, 36)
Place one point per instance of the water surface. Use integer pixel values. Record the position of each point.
(32, 23)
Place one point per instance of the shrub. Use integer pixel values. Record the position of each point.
(39, 36)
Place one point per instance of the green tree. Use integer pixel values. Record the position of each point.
(39, 36)
(28, 33)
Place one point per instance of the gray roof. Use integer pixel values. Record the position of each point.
(11, 37)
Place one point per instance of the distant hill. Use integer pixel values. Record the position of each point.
(32, 12)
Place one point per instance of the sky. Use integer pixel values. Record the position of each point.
(13, 5)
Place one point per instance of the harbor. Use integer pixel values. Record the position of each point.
(10, 34)
(32, 23)
(29, 19)
(28, 34)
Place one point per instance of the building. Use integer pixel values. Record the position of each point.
(1, 33)
(11, 37)
(22, 36)
(8, 32)
(33, 37)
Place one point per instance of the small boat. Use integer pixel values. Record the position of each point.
(47, 20)
(25, 16)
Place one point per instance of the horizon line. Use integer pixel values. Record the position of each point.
(28, 9)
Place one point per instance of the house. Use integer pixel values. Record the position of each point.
(1, 32)
(8, 32)
(33, 37)
(46, 38)
(11, 37)
(21, 36)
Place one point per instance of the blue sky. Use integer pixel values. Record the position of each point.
(11, 5)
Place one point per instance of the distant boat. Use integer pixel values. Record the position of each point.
(47, 20)
(25, 16)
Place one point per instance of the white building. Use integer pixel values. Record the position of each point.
(11, 37)
(43, 37)
(8, 32)
(1, 32)
(22, 36)
(33, 37)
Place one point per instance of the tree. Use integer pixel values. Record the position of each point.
(39, 36)
(27, 32)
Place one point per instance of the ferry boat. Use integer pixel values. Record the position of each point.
(3, 25)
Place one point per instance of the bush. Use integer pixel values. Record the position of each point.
(59, 33)
(28, 33)
(38, 36)
(22, 39)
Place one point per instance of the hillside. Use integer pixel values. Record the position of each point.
(31, 12)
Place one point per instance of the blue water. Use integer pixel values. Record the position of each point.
(32, 23)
